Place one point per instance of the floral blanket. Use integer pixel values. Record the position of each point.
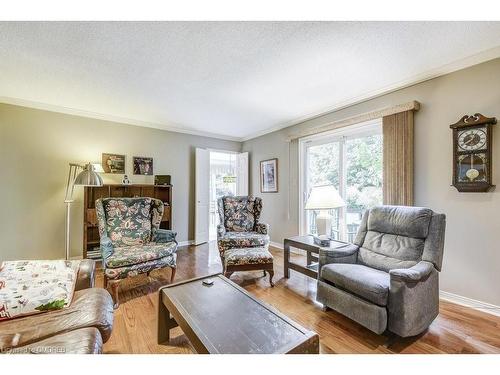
(34, 286)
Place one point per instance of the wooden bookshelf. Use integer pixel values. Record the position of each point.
(92, 193)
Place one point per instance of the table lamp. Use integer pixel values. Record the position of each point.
(324, 198)
(86, 177)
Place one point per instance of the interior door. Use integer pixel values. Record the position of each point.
(242, 174)
(202, 196)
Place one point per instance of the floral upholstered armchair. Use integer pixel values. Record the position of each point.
(131, 239)
(239, 224)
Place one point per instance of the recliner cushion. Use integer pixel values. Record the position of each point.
(388, 251)
(365, 282)
(400, 220)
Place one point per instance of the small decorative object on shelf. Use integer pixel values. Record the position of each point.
(472, 154)
(162, 179)
(125, 180)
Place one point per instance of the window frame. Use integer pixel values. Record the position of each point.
(337, 135)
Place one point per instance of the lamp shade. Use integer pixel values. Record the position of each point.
(324, 198)
(88, 177)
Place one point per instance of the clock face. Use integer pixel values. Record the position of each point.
(472, 168)
(472, 139)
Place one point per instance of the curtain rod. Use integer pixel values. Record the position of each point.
(409, 106)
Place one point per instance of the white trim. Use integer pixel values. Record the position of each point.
(106, 117)
(185, 243)
(422, 77)
(276, 245)
(464, 63)
(469, 302)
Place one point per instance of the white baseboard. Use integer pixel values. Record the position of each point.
(186, 243)
(280, 246)
(469, 302)
(276, 244)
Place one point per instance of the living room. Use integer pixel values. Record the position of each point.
(249, 187)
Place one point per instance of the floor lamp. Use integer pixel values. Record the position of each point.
(80, 175)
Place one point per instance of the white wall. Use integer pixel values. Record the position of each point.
(35, 149)
(472, 248)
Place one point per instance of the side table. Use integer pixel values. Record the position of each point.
(307, 244)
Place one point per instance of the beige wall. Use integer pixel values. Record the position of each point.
(472, 248)
(35, 149)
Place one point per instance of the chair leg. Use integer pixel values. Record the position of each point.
(114, 293)
(264, 273)
(271, 274)
(172, 276)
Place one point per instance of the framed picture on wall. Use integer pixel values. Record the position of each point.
(269, 176)
(143, 165)
(113, 163)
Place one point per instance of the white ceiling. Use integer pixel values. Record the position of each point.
(228, 79)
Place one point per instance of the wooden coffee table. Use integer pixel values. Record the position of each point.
(224, 318)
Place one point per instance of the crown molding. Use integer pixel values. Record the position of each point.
(464, 63)
(105, 117)
(431, 74)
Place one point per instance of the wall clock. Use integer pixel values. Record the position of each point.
(472, 143)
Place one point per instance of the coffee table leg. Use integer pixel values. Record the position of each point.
(286, 248)
(165, 323)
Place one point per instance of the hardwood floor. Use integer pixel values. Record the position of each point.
(457, 329)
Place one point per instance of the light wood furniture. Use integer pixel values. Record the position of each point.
(458, 329)
(307, 244)
(225, 319)
(92, 193)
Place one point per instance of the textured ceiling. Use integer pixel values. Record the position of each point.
(229, 79)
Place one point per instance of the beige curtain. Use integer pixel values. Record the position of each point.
(398, 158)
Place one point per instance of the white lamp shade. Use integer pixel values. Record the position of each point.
(324, 197)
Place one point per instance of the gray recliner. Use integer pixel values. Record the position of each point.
(388, 279)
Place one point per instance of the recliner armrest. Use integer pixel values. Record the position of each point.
(413, 274)
(164, 236)
(344, 254)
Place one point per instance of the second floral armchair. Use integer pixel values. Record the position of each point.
(239, 223)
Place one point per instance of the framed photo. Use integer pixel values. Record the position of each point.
(269, 176)
(143, 165)
(113, 163)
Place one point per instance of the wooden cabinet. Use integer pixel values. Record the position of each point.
(92, 193)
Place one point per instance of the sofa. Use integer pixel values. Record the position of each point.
(388, 279)
(81, 328)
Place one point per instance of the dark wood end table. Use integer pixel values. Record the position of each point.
(224, 318)
(307, 244)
